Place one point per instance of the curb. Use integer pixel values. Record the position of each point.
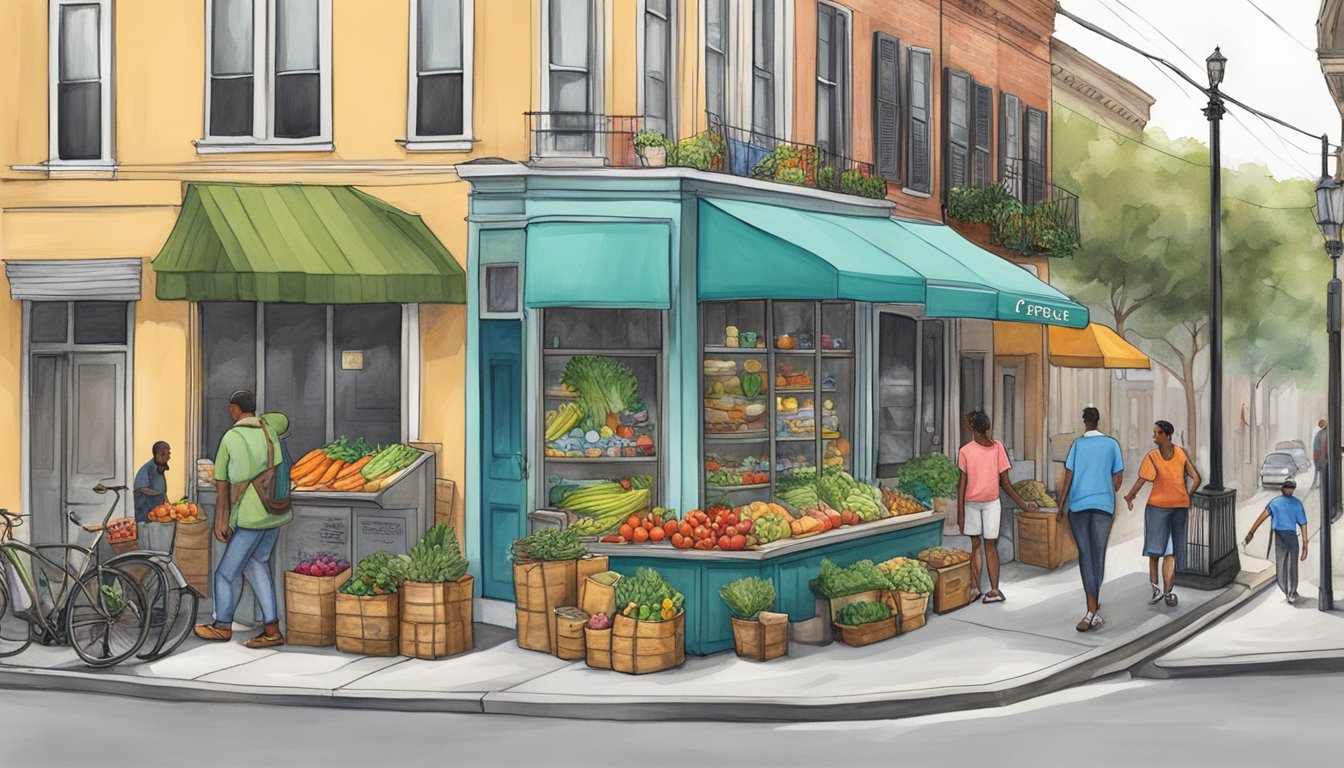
(1137, 654)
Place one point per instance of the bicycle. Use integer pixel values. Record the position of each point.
(99, 609)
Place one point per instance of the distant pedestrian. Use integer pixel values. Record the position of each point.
(984, 469)
(1092, 476)
(1167, 467)
(1320, 454)
(1289, 516)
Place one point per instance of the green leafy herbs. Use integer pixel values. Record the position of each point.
(863, 612)
(548, 544)
(912, 577)
(605, 386)
(647, 596)
(748, 597)
(437, 558)
(936, 471)
(349, 452)
(378, 574)
(834, 581)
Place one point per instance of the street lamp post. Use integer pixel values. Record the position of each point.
(1211, 551)
(1330, 218)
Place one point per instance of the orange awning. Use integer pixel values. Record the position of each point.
(1095, 346)
(1016, 339)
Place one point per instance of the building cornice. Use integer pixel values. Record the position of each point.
(1105, 90)
(1012, 20)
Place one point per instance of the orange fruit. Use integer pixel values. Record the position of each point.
(657, 534)
(641, 535)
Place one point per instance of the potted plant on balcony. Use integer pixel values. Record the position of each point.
(651, 146)
(704, 151)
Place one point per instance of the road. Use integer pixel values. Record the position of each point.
(1251, 721)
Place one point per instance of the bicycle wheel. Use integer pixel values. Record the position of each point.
(107, 617)
(172, 603)
(15, 632)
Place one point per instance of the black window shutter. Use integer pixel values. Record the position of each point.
(1036, 177)
(984, 127)
(1010, 144)
(956, 130)
(920, 171)
(887, 105)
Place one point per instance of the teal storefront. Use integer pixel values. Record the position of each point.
(746, 324)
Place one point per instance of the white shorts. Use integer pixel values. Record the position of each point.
(982, 518)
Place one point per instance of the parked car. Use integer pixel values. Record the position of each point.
(1298, 450)
(1277, 467)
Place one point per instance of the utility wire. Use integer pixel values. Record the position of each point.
(1276, 23)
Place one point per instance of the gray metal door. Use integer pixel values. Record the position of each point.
(95, 431)
(46, 444)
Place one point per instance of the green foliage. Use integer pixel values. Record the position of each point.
(647, 138)
(377, 574)
(1040, 228)
(436, 558)
(647, 590)
(913, 577)
(748, 596)
(835, 486)
(834, 581)
(604, 386)
(864, 185)
(863, 612)
(981, 205)
(704, 151)
(935, 471)
(548, 544)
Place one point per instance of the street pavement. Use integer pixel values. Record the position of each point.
(1251, 721)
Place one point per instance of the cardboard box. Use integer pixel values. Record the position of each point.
(1044, 539)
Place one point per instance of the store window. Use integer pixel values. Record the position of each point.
(602, 372)
(440, 76)
(268, 73)
(333, 370)
(717, 31)
(772, 372)
(501, 290)
(833, 79)
(659, 18)
(81, 81)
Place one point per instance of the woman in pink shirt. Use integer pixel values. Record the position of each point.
(984, 470)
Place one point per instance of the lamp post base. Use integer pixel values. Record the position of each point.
(1211, 559)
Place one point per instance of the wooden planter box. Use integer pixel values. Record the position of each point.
(368, 624)
(435, 618)
(538, 589)
(310, 608)
(191, 552)
(913, 608)
(598, 642)
(866, 634)
(764, 638)
(640, 647)
(951, 587)
(1044, 539)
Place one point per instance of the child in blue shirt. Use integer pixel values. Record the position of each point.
(1289, 516)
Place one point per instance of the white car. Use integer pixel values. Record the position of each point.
(1277, 467)
(1298, 450)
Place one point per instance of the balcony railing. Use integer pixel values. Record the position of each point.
(1025, 211)
(756, 155)
(579, 136)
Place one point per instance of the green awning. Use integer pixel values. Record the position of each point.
(754, 250)
(312, 244)
(598, 264)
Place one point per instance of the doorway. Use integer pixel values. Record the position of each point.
(77, 410)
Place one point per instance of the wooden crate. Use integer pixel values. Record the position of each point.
(367, 624)
(1044, 539)
(435, 618)
(310, 608)
(866, 634)
(871, 596)
(951, 587)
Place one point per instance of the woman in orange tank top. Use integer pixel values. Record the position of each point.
(1167, 467)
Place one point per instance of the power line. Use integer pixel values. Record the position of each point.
(1276, 23)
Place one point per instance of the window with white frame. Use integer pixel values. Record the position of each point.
(269, 73)
(833, 79)
(659, 17)
(717, 44)
(571, 50)
(765, 63)
(81, 81)
(441, 71)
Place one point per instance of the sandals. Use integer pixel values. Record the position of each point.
(1086, 623)
(994, 596)
(1157, 593)
(1171, 599)
(214, 634)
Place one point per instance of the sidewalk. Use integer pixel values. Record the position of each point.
(979, 656)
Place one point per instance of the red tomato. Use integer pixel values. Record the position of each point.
(627, 531)
(657, 534)
(744, 526)
(633, 521)
(641, 535)
(730, 531)
(670, 527)
(738, 542)
(701, 532)
(685, 528)
(731, 519)
(677, 540)
(725, 542)
(647, 526)
(706, 544)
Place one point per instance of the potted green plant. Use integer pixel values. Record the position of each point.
(436, 598)
(757, 633)
(913, 585)
(704, 151)
(651, 146)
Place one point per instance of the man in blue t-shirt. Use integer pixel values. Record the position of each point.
(151, 487)
(1092, 475)
(1289, 516)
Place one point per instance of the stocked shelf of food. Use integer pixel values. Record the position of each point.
(600, 415)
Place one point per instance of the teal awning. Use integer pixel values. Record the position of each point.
(755, 250)
(598, 264)
(314, 244)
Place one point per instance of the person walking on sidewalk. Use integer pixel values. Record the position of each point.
(1289, 516)
(1167, 467)
(1320, 455)
(247, 519)
(1092, 476)
(984, 469)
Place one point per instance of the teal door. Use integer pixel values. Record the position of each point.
(503, 465)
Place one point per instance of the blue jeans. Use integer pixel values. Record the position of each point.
(247, 555)
(1091, 532)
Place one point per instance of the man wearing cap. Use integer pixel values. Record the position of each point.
(1289, 515)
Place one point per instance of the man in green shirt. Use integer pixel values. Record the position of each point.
(242, 520)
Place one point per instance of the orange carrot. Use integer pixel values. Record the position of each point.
(307, 463)
(349, 483)
(316, 472)
(330, 474)
(350, 469)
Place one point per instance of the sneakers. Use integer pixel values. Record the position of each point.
(1097, 621)
(1292, 598)
(1171, 599)
(1157, 593)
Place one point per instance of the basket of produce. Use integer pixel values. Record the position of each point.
(597, 641)
(757, 633)
(864, 623)
(900, 503)
(649, 634)
(933, 472)
(860, 582)
(1034, 490)
(122, 535)
(570, 623)
(939, 557)
(368, 607)
(913, 584)
(310, 599)
(545, 577)
(436, 598)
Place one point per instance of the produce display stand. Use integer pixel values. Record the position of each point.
(788, 564)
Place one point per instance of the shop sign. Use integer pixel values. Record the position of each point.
(314, 531)
(375, 534)
(1040, 312)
